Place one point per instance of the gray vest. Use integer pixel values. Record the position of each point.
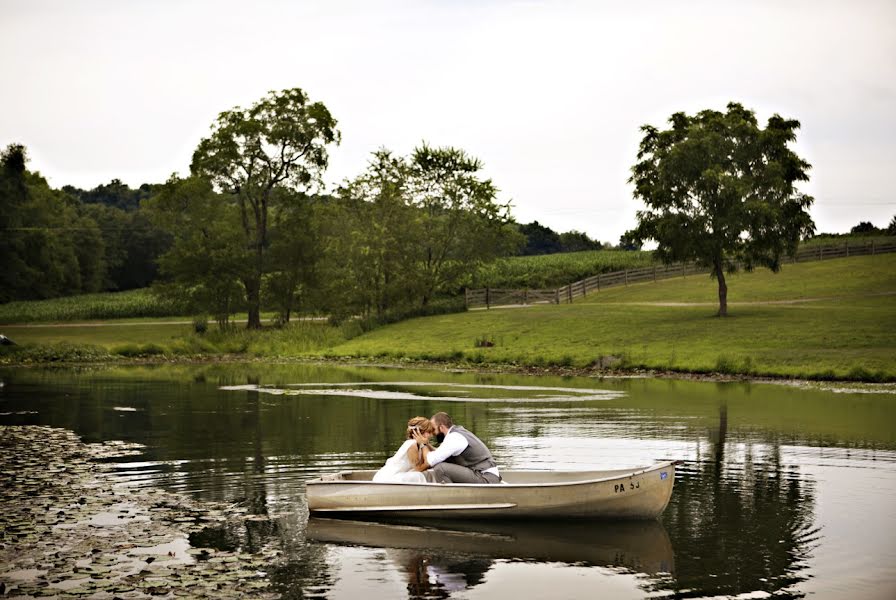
(475, 456)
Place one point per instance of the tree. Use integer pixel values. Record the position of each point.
(540, 239)
(294, 255)
(280, 142)
(48, 247)
(461, 224)
(133, 245)
(208, 258)
(891, 228)
(721, 191)
(578, 241)
(376, 260)
(865, 228)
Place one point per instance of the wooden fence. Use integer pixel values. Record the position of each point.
(489, 297)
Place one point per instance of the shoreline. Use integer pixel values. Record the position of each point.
(886, 387)
(69, 526)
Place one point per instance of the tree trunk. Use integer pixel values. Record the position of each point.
(723, 290)
(253, 297)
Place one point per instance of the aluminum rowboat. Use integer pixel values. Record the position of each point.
(640, 493)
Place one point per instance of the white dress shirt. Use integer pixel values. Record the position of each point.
(453, 444)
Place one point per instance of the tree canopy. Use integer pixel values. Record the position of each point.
(721, 191)
(278, 144)
(49, 247)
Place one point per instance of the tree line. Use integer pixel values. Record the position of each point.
(69, 241)
(248, 228)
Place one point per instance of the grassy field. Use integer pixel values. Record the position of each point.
(864, 275)
(818, 320)
(846, 331)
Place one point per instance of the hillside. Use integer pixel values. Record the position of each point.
(829, 319)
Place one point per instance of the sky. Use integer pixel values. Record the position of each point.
(550, 95)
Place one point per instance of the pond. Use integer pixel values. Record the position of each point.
(784, 490)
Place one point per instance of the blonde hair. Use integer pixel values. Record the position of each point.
(420, 424)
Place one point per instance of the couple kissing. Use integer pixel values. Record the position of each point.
(460, 456)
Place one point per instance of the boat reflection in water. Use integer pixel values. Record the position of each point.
(445, 556)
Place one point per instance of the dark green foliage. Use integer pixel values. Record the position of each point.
(540, 239)
(721, 191)
(577, 241)
(408, 231)
(204, 267)
(133, 245)
(891, 228)
(114, 194)
(866, 228)
(544, 240)
(49, 247)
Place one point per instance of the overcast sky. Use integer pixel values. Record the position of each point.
(548, 94)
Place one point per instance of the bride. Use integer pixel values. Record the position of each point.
(401, 468)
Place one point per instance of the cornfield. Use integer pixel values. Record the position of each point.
(554, 270)
(113, 305)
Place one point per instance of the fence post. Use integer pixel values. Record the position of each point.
(487, 298)
(557, 296)
(820, 254)
(682, 270)
(847, 249)
(872, 247)
(654, 273)
(626, 276)
(584, 289)
(466, 299)
(569, 293)
(598, 282)
(526, 296)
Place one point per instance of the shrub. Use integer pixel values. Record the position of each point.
(726, 364)
(200, 324)
(484, 342)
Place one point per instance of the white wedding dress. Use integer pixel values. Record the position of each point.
(399, 469)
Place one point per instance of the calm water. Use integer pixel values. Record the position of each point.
(784, 491)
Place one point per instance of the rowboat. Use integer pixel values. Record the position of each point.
(641, 546)
(640, 493)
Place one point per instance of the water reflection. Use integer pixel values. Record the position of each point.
(640, 546)
(766, 501)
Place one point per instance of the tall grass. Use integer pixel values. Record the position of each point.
(111, 305)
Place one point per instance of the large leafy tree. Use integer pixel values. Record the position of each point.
(279, 142)
(208, 260)
(721, 191)
(381, 228)
(461, 222)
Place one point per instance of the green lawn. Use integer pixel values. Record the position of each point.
(842, 277)
(849, 333)
(103, 335)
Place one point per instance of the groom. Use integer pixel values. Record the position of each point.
(461, 456)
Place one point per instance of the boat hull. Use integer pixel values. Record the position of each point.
(622, 494)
